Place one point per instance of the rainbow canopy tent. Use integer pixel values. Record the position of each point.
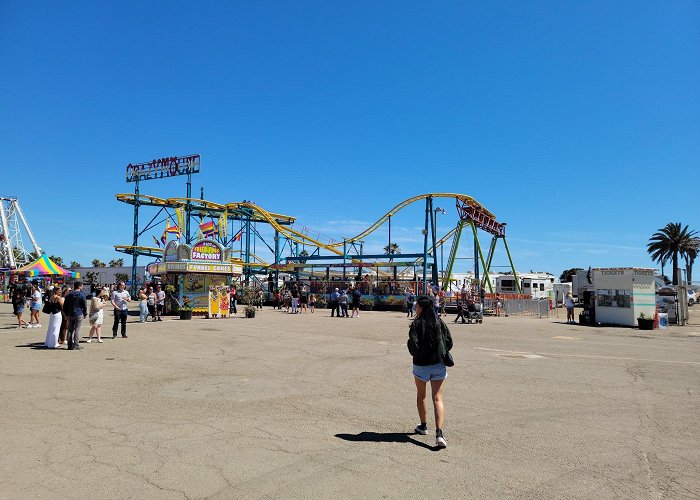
(44, 266)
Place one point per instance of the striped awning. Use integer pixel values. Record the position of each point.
(44, 266)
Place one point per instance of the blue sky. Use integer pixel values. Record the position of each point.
(577, 123)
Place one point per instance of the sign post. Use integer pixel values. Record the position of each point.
(158, 169)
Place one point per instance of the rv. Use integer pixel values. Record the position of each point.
(537, 285)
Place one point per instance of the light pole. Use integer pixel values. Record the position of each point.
(435, 212)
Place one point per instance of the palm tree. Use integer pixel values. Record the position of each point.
(116, 263)
(669, 242)
(392, 248)
(690, 255)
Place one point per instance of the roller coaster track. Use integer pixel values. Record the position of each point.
(279, 221)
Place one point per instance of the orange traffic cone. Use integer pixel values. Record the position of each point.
(656, 318)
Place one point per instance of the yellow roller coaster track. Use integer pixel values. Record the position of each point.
(277, 220)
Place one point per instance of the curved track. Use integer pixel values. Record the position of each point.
(280, 222)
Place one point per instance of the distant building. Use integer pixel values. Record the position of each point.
(108, 275)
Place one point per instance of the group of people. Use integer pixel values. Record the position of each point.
(295, 298)
(340, 300)
(151, 302)
(68, 307)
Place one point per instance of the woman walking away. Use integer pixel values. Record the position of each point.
(429, 340)
(55, 302)
(312, 302)
(96, 314)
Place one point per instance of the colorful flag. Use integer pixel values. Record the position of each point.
(172, 229)
(207, 227)
(238, 235)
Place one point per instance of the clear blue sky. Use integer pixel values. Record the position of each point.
(578, 123)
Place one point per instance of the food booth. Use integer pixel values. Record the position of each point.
(193, 269)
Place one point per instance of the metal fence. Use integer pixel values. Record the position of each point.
(537, 308)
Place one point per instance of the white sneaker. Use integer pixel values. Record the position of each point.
(99, 340)
(37, 325)
(88, 340)
(422, 430)
(440, 439)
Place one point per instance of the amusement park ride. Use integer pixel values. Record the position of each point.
(288, 236)
(13, 252)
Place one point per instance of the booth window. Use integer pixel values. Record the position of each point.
(614, 298)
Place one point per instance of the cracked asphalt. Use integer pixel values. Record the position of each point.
(309, 406)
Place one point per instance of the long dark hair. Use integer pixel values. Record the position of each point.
(428, 320)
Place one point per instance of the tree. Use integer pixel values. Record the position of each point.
(303, 253)
(91, 277)
(116, 263)
(74, 265)
(98, 263)
(392, 248)
(568, 275)
(57, 260)
(670, 242)
(690, 255)
(121, 277)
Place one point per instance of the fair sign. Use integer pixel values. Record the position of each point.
(207, 251)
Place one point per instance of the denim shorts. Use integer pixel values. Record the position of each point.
(430, 372)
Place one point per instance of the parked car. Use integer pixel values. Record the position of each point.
(693, 296)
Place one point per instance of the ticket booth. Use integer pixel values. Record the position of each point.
(192, 269)
(623, 294)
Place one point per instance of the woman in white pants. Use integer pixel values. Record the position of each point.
(56, 306)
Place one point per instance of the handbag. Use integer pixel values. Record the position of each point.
(48, 308)
(447, 356)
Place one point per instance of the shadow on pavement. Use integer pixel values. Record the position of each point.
(33, 345)
(386, 437)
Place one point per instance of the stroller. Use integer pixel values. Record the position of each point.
(475, 312)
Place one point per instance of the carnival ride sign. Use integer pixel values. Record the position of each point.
(163, 167)
(207, 250)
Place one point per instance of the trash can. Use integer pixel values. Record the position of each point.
(663, 321)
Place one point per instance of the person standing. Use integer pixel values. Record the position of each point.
(569, 303)
(160, 302)
(96, 317)
(343, 301)
(410, 304)
(304, 299)
(18, 304)
(143, 305)
(295, 299)
(75, 307)
(498, 304)
(356, 297)
(55, 301)
(232, 299)
(312, 302)
(335, 308)
(151, 303)
(63, 332)
(120, 298)
(35, 307)
(429, 340)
